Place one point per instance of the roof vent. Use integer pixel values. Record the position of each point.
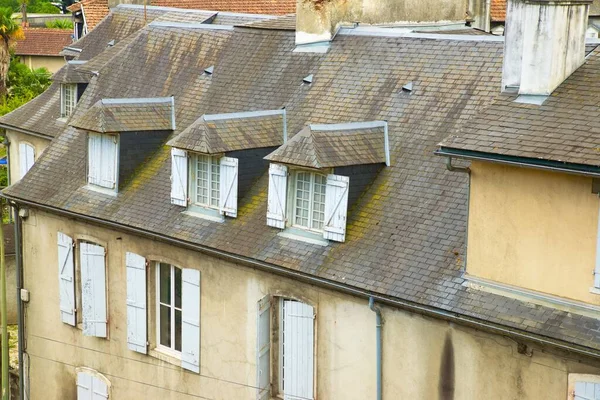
(111, 43)
(408, 88)
(209, 70)
(308, 79)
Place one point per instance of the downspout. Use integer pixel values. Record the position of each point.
(378, 355)
(452, 168)
(20, 318)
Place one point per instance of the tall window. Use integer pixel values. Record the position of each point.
(68, 97)
(309, 200)
(102, 160)
(205, 182)
(168, 298)
(26, 158)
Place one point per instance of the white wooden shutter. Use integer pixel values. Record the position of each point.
(26, 158)
(94, 157)
(587, 391)
(66, 280)
(298, 350)
(276, 203)
(136, 302)
(263, 366)
(179, 176)
(190, 320)
(90, 387)
(336, 207)
(102, 160)
(228, 192)
(93, 289)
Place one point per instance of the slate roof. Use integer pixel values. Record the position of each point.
(565, 128)
(338, 147)
(70, 73)
(230, 132)
(286, 23)
(43, 42)
(127, 115)
(274, 7)
(405, 235)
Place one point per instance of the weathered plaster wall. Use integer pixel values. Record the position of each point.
(555, 218)
(52, 63)
(15, 138)
(423, 358)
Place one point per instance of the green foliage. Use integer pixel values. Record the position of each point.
(23, 85)
(33, 6)
(60, 24)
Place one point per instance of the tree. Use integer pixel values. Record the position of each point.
(10, 31)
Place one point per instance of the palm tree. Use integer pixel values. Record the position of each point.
(10, 30)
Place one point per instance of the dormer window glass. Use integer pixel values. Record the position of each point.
(68, 99)
(309, 200)
(205, 180)
(102, 160)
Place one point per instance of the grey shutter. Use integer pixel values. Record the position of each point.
(276, 203)
(587, 391)
(298, 350)
(179, 176)
(190, 320)
(136, 302)
(228, 191)
(93, 289)
(66, 279)
(263, 349)
(336, 207)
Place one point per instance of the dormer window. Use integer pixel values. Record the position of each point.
(68, 99)
(309, 200)
(102, 160)
(205, 180)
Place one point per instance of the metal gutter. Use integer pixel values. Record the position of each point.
(311, 279)
(548, 165)
(12, 128)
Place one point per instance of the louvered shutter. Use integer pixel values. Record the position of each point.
(26, 158)
(136, 302)
(264, 350)
(228, 191)
(90, 387)
(298, 350)
(336, 207)
(93, 289)
(587, 391)
(179, 175)
(276, 203)
(190, 320)
(66, 281)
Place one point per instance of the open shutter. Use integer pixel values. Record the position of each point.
(109, 161)
(26, 158)
(93, 289)
(336, 207)
(298, 350)
(263, 366)
(229, 186)
(277, 196)
(66, 281)
(179, 173)
(190, 320)
(136, 302)
(587, 391)
(94, 157)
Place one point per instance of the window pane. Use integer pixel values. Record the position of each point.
(177, 287)
(214, 182)
(165, 283)
(318, 214)
(202, 179)
(302, 198)
(177, 330)
(165, 326)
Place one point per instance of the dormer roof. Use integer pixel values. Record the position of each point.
(70, 73)
(128, 115)
(336, 145)
(219, 133)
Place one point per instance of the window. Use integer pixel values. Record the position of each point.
(68, 99)
(285, 349)
(168, 325)
(26, 158)
(205, 181)
(309, 200)
(584, 387)
(102, 160)
(91, 385)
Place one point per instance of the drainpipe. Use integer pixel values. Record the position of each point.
(20, 319)
(378, 325)
(452, 168)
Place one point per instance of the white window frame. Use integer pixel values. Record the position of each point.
(213, 202)
(66, 109)
(575, 378)
(293, 199)
(22, 162)
(160, 347)
(116, 141)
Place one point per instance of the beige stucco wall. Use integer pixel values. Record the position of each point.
(423, 358)
(533, 229)
(15, 138)
(52, 63)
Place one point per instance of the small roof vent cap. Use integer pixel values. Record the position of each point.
(308, 79)
(408, 88)
(111, 43)
(209, 70)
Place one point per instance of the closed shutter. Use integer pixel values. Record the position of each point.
(26, 158)
(298, 350)
(66, 281)
(190, 320)
(93, 289)
(263, 366)
(90, 387)
(336, 207)
(276, 203)
(179, 174)
(597, 269)
(136, 302)
(102, 160)
(587, 391)
(229, 186)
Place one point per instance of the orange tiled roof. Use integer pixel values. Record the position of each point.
(498, 11)
(94, 11)
(43, 42)
(274, 7)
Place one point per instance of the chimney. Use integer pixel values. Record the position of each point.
(544, 44)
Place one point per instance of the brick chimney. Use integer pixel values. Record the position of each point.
(544, 44)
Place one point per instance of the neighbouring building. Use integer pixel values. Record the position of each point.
(11, 290)
(42, 47)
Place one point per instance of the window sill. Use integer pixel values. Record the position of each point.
(62, 119)
(166, 356)
(98, 189)
(595, 290)
(303, 236)
(205, 213)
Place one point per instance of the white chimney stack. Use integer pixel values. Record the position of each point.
(544, 44)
